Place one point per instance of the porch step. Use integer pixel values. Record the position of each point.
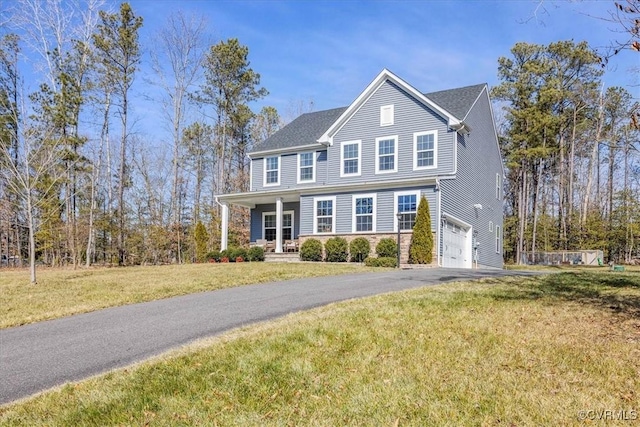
(282, 257)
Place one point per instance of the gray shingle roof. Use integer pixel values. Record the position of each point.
(309, 127)
(306, 129)
(457, 101)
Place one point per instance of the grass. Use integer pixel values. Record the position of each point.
(511, 351)
(63, 292)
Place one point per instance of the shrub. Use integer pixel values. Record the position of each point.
(359, 249)
(233, 253)
(337, 249)
(213, 255)
(421, 247)
(311, 250)
(255, 253)
(239, 259)
(201, 237)
(381, 262)
(224, 259)
(387, 247)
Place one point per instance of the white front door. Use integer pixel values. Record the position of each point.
(455, 250)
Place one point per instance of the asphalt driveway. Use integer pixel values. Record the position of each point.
(43, 355)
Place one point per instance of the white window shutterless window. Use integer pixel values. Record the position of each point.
(386, 115)
(306, 167)
(425, 150)
(497, 239)
(350, 156)
(406, 204)
(271, 171)
(498, 185)
(386, 154)
(364, 213)
(324, 215)
(269, 225)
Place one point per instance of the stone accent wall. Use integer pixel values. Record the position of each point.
(374, 238)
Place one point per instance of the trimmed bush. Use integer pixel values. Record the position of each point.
(421, 247)
(387, 248)
(311, 250)
(255, 253)
(213, 255)
(359, 249)
(234, 253)
(381, 262)
(337, 249)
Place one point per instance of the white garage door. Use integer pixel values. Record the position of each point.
(454, 241)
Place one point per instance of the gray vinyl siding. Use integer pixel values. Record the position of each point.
(288, 172)
(478, 162)
(344, 209)
(256, 218)
(410, 116)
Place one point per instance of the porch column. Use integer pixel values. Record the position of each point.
(279, 225)
(224, 232)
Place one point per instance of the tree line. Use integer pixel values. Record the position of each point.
(78, 185)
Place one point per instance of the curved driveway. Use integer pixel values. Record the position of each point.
(39, 356)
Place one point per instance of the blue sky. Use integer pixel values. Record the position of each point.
(328, 51)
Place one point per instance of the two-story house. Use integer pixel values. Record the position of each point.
(360, 170)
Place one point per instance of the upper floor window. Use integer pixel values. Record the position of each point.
(498, 186)
(364, 216)
(424, 150)
(406, 204)
(271, 171)
(386, 153)
(306, 167)
(324, 215)
(386, 115)
(497, 239)
(350, 156)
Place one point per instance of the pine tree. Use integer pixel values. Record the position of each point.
(201, 238)
(421, 247)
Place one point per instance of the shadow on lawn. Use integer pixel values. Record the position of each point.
(618, 292)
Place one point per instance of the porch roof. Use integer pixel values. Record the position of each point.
(252, 198)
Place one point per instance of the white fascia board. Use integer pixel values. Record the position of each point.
(296, 149)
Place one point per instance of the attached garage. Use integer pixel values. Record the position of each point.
(456, 243)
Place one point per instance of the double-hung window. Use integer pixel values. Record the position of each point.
(498, 186)
(424, 150)
(406, 204)
(306, 167)
(364, 213)
(498, 237)
(386, 154)
(324, 216)
(271, 171)
(350, 155)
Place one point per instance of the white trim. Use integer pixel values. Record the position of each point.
(333, 214)
(498, 238)
(373, 196)
(250, 175)
(498, 186)
(357, 142)
(285, 150)
(395, 154)
(415, 150)
(387, 110)
(380, 79)
(439, 227)
(417, 193)
(264, 171)
(313, 168)
(490, 226)
(224, 231)
(293, 223)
